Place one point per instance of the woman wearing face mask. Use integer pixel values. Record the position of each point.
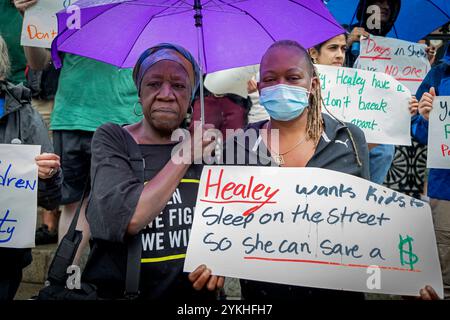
(290, 92)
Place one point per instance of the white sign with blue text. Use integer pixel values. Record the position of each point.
(312, 227)
(18, 195)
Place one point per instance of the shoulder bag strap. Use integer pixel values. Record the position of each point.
(135, 242)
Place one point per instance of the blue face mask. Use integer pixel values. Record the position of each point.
(283, 102)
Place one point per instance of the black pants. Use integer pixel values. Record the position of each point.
(74, 149)
(9, 283)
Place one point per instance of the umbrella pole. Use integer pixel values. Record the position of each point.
(202, 99)
(199, 24)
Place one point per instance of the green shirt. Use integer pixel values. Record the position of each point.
(91, 93)
(10, 30)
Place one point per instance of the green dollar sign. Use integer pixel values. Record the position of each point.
(412, 259)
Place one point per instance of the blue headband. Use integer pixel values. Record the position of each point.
(167, 51)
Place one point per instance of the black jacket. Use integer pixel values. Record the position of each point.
(21, 121)
(342, 148)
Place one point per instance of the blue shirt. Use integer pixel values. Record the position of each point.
(2, 105)
(439, 78)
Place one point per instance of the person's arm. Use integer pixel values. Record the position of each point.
(35, 132)
(119, 204)
(419, 129)
(37, 58)
(50, 180)
(118, 199)
(158, 191)
(419, 123)
(355, 35)
(155, 195)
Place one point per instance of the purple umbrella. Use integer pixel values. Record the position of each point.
(223, 33)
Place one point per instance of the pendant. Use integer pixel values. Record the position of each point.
(278, 159)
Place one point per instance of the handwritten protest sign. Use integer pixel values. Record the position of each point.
(373, 101)
(18, 195)
(231, 80)
(438, 154)
(312, 227)
(405, 61)
(40, 25)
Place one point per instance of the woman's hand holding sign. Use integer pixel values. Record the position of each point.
(202, 277)
(48, 164)
(426, 103)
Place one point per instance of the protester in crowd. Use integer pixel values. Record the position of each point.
(166, 78)
(436, 83)
(307, 138)
(43, 85)
(389, 11)
(257, 112)
(90, 93)
(226, 111)
(21, 124)
(382, 155)
(430, 50)
(10, 29)
(331, 52)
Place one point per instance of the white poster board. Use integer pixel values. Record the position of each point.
(438, 154)
(231, 80)
(312, 227)
(405, 61)
(40, 25)
(18, 195)
(373, 101)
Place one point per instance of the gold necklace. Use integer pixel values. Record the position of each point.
(278, 157)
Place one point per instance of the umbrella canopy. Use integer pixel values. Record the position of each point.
(232, 32)
(417, 18)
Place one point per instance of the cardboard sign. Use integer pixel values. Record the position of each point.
(18, 195)
(312, 227)
(405, 61)
(438, 154)
(231, 80)
(369, 100)
(40, 25)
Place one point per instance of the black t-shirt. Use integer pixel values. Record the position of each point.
(115, 193)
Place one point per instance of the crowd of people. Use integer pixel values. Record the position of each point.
(95, 108)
